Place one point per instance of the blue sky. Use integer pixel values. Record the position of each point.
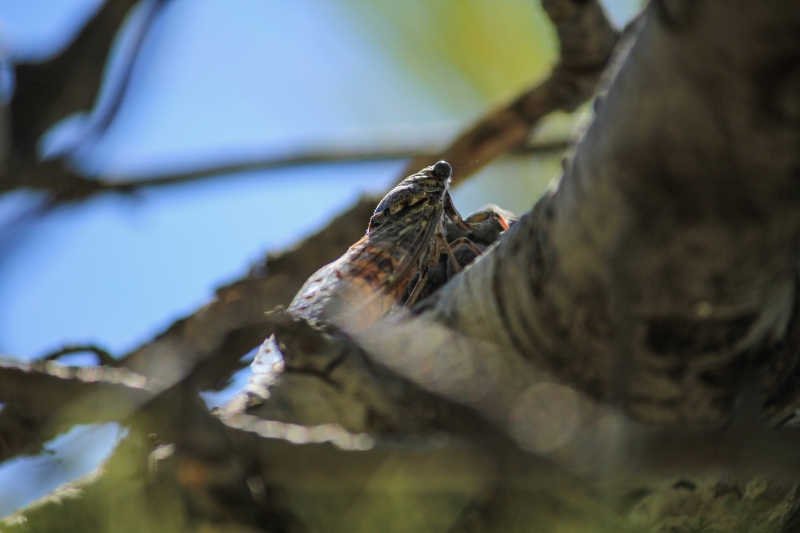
(215, 80)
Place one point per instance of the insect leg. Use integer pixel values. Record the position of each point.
(417, 289)
(452, 212)
(461, 242)
(449, 251)
(475, 220)
(482, 217)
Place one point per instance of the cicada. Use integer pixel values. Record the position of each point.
(403, 244)
(405, 237)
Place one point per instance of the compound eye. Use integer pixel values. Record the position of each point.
(442, 170)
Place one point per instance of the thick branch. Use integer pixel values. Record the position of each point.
(661, 274)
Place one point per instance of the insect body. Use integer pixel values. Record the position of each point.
(405, 236)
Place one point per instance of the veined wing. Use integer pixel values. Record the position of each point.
(363, 284)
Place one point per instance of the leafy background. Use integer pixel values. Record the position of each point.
(223, 80)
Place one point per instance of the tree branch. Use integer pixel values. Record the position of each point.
(103, 118)
(305, 157)
(104, 357)
(42, 400)
(49, 91)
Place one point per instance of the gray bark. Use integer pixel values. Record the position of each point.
(674, 224)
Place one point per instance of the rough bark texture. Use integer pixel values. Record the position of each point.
(660, 273)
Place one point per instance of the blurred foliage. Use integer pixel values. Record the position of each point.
(136, 492)
(497, 47)
(511, 183)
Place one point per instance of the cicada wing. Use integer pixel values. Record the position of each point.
(315, 296)
(362, 285)
(386, 260)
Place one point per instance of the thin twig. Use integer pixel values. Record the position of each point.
(306, 157)
(105, 115)
(48, 91)
(104, 357)
(43, 399)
